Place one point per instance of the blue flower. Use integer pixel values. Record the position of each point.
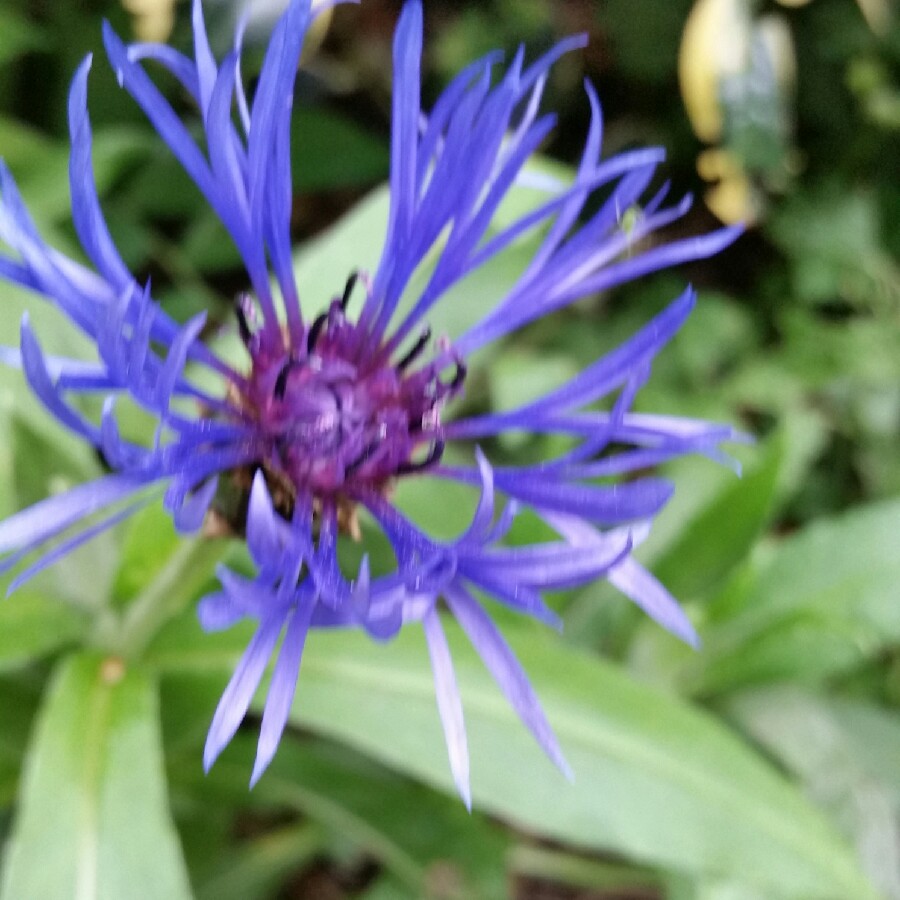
(321, 417)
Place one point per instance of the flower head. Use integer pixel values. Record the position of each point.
(324, 414)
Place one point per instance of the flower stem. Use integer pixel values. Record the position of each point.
(187, 570)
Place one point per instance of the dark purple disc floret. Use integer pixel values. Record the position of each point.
(336, 417)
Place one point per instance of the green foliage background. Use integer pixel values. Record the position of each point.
(764, 765)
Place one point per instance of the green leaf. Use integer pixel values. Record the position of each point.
(388, 888)
(711, 889)
(874, 736)
(855, 354)
(207, 247)
(323, 264)
(830, 740)
(519, 376)
(847, 753)
(181, 196)
(93, 822)
(722, 534)
(657, 781)
(825, 600)
(412, 831)
(720, 334)
(32, 626)
(181, 646)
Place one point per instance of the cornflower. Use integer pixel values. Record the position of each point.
(323, 415)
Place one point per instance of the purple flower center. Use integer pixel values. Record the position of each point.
(335, 417)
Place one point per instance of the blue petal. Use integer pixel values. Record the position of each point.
(449, 704)
(86, 213)
(43, 272)
(68, 546)
(553, 566)
(239, 598)
(269, 118)
(48, 393)
(227, 157)
(640, 586)
(174, 62)
(484, 513)
(281, 690)
(206, 65)
(240, 690)
(506, 670)
(161, 114)
(405, 117)
(189, 517)
(49, 517)
(593, 382)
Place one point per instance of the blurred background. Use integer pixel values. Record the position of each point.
(765, 765)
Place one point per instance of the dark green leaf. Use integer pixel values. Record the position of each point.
(329, 151)
(19, 700)
(256, 870)
(17, 36)
(721, 535)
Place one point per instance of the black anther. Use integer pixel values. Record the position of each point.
(281, 380)
(336, 397)
(243, 326)
(434, 455)
(314, 331)
(415, 350)
(459, 376)
(362, 459)
(348, 289)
